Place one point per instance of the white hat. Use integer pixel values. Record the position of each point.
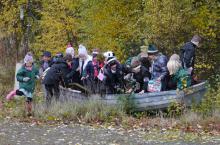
(109, 54)
(82, 50)
(70, 50)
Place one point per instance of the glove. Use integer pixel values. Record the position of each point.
(26, 79)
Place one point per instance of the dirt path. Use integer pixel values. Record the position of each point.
(12, 133)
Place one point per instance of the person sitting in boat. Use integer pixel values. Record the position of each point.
(86, 68)
(140, 75)
(179, 75)
(113, 76)
(56, 76)
(74, 75)
(187, 54)
(159, 71)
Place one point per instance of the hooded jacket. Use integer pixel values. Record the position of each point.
(57, 73)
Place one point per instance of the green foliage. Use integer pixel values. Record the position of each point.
(127, 103)
(175, 109)
(89, 111)
(211, 102)
(115, 25)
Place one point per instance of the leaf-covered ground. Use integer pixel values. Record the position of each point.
(15, 133)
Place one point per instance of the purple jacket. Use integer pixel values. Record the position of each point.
(159, 67)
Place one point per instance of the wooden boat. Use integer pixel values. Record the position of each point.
(146, 101)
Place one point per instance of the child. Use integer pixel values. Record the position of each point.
(179, 75)
(26, 77)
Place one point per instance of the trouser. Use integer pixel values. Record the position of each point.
(52, 91)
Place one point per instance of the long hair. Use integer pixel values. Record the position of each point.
(174, 64)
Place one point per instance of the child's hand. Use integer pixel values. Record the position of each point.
(26, 79)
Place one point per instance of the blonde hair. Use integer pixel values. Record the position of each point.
(174, 64)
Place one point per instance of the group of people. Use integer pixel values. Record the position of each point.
(102, 73)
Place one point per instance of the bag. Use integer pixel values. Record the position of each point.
(154, 86)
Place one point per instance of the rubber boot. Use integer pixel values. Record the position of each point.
(11, 95)
(28, 106)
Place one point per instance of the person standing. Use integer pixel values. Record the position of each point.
(45, 64)
(188, 54)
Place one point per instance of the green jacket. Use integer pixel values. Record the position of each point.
(182, 79)
(22, 73)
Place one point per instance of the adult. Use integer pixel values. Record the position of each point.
(159, 71)
(86, 68)
(141, 73)
(113, 76)
(55, 76)
(45, 64)
(179, 76)
(188, 54)
(74, 75)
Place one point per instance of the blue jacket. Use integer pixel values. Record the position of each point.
(159, 67)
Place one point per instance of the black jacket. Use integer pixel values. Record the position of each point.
(74, 75)
(113, 81)
(57, 73)
(142, 77)
(187, 55)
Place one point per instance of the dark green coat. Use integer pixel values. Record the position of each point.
(182, 79)
(22, 73)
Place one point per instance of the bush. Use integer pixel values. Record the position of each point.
(211, 102)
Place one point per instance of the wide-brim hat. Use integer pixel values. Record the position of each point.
(152, 49)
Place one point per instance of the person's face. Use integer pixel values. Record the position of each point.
(95, 59)
(69, 63)
(29, 64)
(45, 58)
(113, 67)
(151, 57)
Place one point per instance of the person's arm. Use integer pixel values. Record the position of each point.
(73, 70)
(163, 66)
(20, 75)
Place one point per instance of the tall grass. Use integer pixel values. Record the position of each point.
(88, 111)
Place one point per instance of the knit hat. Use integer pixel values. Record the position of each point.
(152, 49)
(70, 50)
(82, 50)
(196, 39)
(47, 54)
(28, 58)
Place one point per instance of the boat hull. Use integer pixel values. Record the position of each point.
(146, 101)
